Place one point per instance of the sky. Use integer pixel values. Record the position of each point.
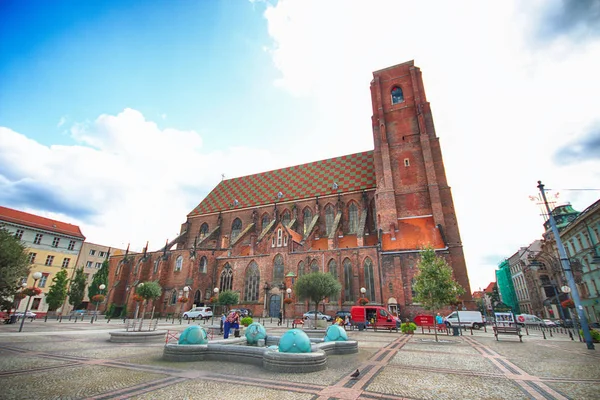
(121, 116)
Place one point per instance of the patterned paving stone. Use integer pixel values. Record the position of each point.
(452, 347)
(443, 360)
(115, 352)
(10, 361)
(70, 382)
(579, 391)
(217, 390)
(442, 386)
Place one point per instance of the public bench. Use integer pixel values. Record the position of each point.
(508, 330)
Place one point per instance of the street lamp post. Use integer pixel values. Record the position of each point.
(216, 291)
(289, 293)
(36, 276)
(186, 290)
(566, 266)
(95, 317)
(363, 291)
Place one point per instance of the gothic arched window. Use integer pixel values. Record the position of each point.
(329, 217)
(369, 280)
(314, 266)
(352, 218)
(307, 216)
(202, 265)
(236, 228)
(178, 263)
(174, 297)
(286, 218)
(265, 221)
(252, 282)
(332, 269)
(347, 266)
(397, 95)
(301, 268)
(203, 230)
(198, 297)
(278, 268)
(226, 279)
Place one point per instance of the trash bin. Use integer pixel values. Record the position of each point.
(455, 331)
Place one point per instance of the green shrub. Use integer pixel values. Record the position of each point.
(594, 333)
(408, 327)
(110, 311)
(246, 321)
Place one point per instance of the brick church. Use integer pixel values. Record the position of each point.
(361, 217)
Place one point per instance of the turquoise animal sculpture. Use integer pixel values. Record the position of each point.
(193, 335)
(335, 333)
(255, 332)
(294, 341)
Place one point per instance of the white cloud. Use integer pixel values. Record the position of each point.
(128, 180)
(502, 107)
(61, 121)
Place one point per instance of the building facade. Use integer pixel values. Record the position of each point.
(52, 246)
(361, 217)
(506, 287)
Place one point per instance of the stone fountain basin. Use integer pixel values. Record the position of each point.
(237, 350)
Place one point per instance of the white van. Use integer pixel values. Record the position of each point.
(470, 319)
(529, 319)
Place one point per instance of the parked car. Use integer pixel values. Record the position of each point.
(311, 315)
(29, 314)
(198, 313)
(244, 312)
(343, 314)
(529, 319)
(549, 323)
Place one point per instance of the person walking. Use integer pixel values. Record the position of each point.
(280, 322)
(231, 322)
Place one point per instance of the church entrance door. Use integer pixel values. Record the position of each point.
(274, 305)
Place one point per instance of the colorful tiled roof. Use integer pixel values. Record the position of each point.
(37, 222)
(350, 173)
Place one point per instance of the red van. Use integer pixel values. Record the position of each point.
(375, 317)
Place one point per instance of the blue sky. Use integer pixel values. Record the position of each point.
(120, 116)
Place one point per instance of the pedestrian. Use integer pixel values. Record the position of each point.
(280, 322)
(231, 322)
(438, 319)
(223, 318)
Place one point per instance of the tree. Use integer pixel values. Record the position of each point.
(229, 298)
(100, 278)
(14, 266)
(434, 285)
(58, 291)
(77, 288)
(148, 291)
(315, 287)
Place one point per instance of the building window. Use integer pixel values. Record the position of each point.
(406, 162)
(329, 217)
(332, 269)
(156, 262)
(301, 268)
(43, 280)
(278, 268)
(36, 303)
(203, 230)
(397, 95)
(273, 241)
(65, 263)
(198, 297)
(347, 266)
(352, 218)
(71, 245)
(307, 215)
(178, 263)
(226, 279)
(202, 265)
(101, 254)
(92, 252)
(38, 238)
(285, 240)
(252, 283)
(207, 294)
(279, 237)
(369, 280)
(89, 264)
(265, 221)
(19, 234)
(32, 258)
(49, 260)
(286, 218)
(314, 266)
(55, 242)
(174, 297)
(236, 228)
(98, 265)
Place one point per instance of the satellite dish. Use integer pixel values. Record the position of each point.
(565, 289)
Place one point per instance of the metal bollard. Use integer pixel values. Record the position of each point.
(544, 334)
(571, 335)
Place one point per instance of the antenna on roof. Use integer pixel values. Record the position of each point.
(222, 177)
(279, 195)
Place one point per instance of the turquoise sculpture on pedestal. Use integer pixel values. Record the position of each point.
(335, 333)
(255, 332)
(193, 335)
(294, 341)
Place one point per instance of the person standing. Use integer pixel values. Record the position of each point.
(231, 322)
(279, 323)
